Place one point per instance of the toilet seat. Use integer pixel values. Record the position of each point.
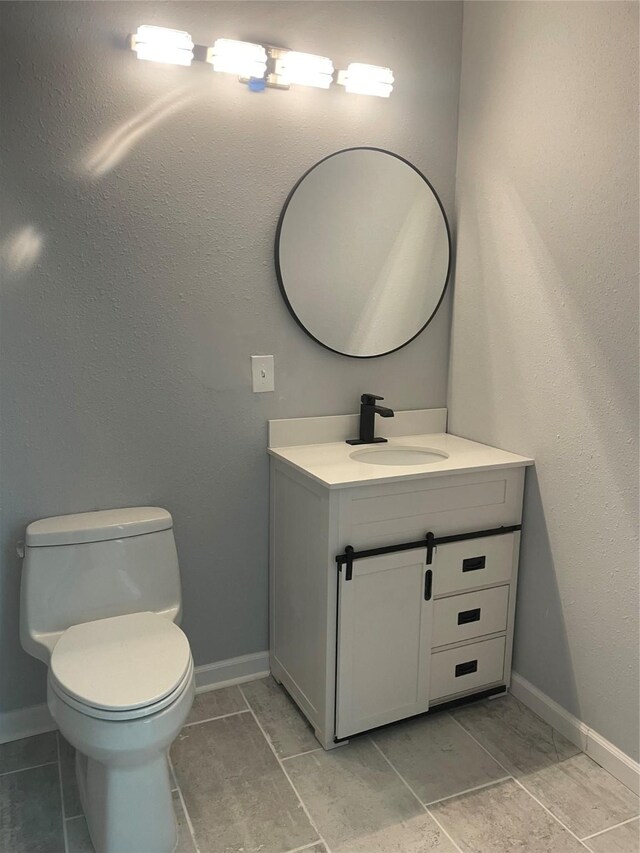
(122, 667)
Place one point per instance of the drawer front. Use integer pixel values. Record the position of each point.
(467, 668)
(474, 614)
(473, 562)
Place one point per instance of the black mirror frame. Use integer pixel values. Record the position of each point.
(277, 250)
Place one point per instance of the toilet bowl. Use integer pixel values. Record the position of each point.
(120, 680)
(120, 690)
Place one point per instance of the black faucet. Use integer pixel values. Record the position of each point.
(368, 412)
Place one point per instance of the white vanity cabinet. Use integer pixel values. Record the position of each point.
(403, 630)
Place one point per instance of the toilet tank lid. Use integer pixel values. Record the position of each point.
(97, 526)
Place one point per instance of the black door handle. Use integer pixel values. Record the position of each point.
(472, 564)
(428, 584)
(466, 668)
(466, 616)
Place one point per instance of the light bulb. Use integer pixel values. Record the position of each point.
(242, 58)
(304, 69)
(363, 79)
(160, 44)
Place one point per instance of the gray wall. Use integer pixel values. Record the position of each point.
(544, 341)
(138, 212)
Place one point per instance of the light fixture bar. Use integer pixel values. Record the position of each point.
(261, 65)
(363, 79)
(160, 44)
(242, 58)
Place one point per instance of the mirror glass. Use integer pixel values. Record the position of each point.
(363, 252)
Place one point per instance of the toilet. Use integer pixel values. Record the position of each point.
(100, 599)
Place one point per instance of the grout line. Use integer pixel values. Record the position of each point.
(298, 754)
(468, 790)
(64, 822)
(306, 846)
(282, 767)
(615, 826)
(519, 783)
(410, 789)
(444, 831)
(219, 717)
(187, 816)
(31, 767)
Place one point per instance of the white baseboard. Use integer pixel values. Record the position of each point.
(603, 752)
(224, 673)
(24, 722)
(35, 720)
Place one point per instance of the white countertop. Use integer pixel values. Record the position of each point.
(331, 465)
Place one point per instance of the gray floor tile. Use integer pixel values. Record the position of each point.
(436, 757)
(514, 735)
(582, 795)
(78, 839)
(70, 794)
(216, 703)
(28, 752)
(420, 834)
(622, 839)
(286, 727)
(235, 791)
(359, 804)
(502, 819)
(31, 811)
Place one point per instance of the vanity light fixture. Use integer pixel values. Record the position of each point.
(242, 58)
(260, 65)
(302, 69)
(160, 44)
(362, 79)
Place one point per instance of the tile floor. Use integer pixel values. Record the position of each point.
(251, 778)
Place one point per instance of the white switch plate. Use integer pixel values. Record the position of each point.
(262, 373)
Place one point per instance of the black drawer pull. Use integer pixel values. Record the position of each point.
(466, 616)
(428, 584)
(466, 668)
(472, 564)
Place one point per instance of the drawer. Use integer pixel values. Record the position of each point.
(467, 668)
(462, 617)
(473, 562)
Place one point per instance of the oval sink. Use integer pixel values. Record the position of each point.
(399, 456)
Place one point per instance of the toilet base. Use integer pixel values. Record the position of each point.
(128, 808)
(123, 773)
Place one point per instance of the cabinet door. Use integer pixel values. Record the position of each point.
(384, 641)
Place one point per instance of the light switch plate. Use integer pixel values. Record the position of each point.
(262, 373)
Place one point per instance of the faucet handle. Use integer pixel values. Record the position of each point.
(369, 399)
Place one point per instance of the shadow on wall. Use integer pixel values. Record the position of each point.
(577, 336)
(542, 635)
(113, 148)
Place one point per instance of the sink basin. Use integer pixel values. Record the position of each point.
(399, 456)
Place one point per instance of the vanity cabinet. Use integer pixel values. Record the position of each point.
(404, 630)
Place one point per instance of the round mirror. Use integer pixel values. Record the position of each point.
(363, 252)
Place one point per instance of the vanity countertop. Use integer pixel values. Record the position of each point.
(331, 464)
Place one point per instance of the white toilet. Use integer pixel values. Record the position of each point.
(99, 600)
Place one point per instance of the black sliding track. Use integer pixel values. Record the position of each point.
(429, 542)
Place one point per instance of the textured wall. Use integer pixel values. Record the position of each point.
(545, 329)
(139, 206)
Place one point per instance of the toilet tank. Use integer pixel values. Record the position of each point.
(92, 565)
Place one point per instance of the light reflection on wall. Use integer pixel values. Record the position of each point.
(21, 249)
(112, 150)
